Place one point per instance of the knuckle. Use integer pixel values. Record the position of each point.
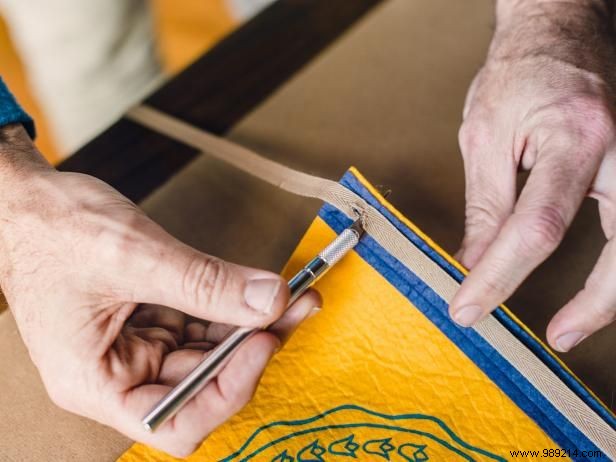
(473, 133)
(542, 230)
(601, 311)
(604, 314)
(496, 284)
(481, 215)
(595, 116)
(586, 122)
(205, 281)
(236, 396)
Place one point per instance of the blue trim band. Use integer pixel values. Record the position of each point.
(516, 386)
(12, 113)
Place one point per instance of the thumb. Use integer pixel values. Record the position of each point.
(490, 190)
(212, 289)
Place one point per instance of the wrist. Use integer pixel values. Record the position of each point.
(20, 162)
(510, 10)
(579, 32)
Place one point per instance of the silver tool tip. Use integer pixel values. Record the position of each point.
(345, 241)
(358, 227)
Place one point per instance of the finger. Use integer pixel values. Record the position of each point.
(490, 173)
(154, 334)
(604, 190)
(147, 315)
(553, 193)
(306, 306)
(593, 308)
(195, 332)
(202, 346)
(216, 332)
(179, 363)
(209, 288)
(230, 392)
(215, 404)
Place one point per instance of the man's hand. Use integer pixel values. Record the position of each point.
(543, 102)
(88, 277)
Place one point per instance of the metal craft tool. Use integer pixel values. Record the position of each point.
(211, 366)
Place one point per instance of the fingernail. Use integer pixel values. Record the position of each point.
(314, 311)
(567, 341)
(467, 315)
(260, 294)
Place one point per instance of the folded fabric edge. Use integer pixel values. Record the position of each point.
(503, 313)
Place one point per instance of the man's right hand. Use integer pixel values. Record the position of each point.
(89, 278)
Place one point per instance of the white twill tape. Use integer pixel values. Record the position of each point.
(392, 240)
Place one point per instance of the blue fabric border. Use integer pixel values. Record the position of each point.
(520, 390)
(12, 113)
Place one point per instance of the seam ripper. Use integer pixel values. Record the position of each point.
(211, 366)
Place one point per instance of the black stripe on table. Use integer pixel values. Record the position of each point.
(217, 90)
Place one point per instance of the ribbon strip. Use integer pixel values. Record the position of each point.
(392, 240)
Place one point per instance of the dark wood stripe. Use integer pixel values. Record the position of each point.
(218, 90)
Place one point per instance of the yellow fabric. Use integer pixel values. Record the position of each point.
(462, 269)
(372, 349)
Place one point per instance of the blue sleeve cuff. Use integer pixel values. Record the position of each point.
(12, 113)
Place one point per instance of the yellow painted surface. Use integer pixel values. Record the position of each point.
(185, 30)
(386, 372)
(188, 28)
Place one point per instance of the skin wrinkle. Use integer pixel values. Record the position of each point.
(204, 280)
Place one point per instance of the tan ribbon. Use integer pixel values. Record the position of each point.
(392, 240)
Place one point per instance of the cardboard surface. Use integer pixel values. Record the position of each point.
(32, 428)
(386, 97)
